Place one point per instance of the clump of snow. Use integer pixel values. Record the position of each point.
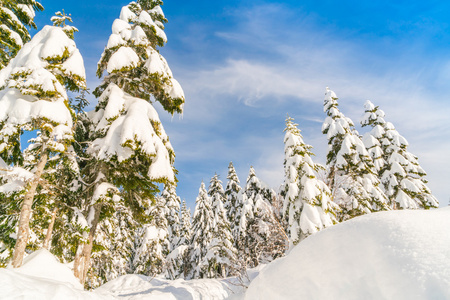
(132, 124)
(125, 57)
(388, 255)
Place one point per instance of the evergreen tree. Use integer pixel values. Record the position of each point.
(185, 228)
(402, 177)
(33, 88)
(261, 238)
(130, 149)
(233, 203)
(172, 215)
(307, 200)
(15, 17)
(177, 258)
(114, 244)
(221, 252)
(152, 242)
(351, 176)
(197, 265)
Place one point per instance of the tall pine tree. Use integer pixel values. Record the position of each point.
(126, 133)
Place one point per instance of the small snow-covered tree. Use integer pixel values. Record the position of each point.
(173, 203)
(15, 17)
(33, 97)
(351, 176)
(261, 238)
(233, 203)
(185, 228)
(152, 242)
(202, 234)
(307, 200)
(177, 258)
(402, 177)
(221, 252)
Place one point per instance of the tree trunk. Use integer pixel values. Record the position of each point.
(83, 255)
(48, 236)
(25, 213)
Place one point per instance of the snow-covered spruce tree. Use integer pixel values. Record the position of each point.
(351, 176)
(307, 199)
(197, 265)
(33, 97)
(15, 17)
(177, 259)
(233, 203)
(152, 242)
(174, 260)
(173, 203)
(130, 149)
(114, 243)
(185, 225)
(221, 252)
(402, 177)
(261, 238)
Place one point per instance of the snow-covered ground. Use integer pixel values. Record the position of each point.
(388, 255)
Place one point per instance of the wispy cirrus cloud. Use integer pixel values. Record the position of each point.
(267, 69)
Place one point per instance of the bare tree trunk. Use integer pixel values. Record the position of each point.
(25, 213)
(48, 236)
(83, 255)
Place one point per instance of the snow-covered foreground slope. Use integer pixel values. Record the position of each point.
(389, 255)
(43, 277)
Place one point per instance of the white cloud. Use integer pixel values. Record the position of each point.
(270, 64)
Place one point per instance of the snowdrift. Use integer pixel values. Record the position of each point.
(389, 255)
(42, 277)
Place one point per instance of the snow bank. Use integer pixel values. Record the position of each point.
(43, 264)
(143, 287)
(389, 255)
(42, 277)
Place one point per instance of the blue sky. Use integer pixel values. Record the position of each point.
(244, 65)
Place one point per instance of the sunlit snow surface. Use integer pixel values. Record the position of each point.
(388, 255)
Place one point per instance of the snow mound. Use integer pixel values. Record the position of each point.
(43, 264)
(143, 287)
(42, 277)
(388, 255)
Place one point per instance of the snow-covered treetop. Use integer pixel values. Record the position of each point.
(15, 16)
(33, 88)
(372, 115)
(60, 20)
(33, 70)
(336, 123)
(126, 127)
(132, 60)
(232, 176)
